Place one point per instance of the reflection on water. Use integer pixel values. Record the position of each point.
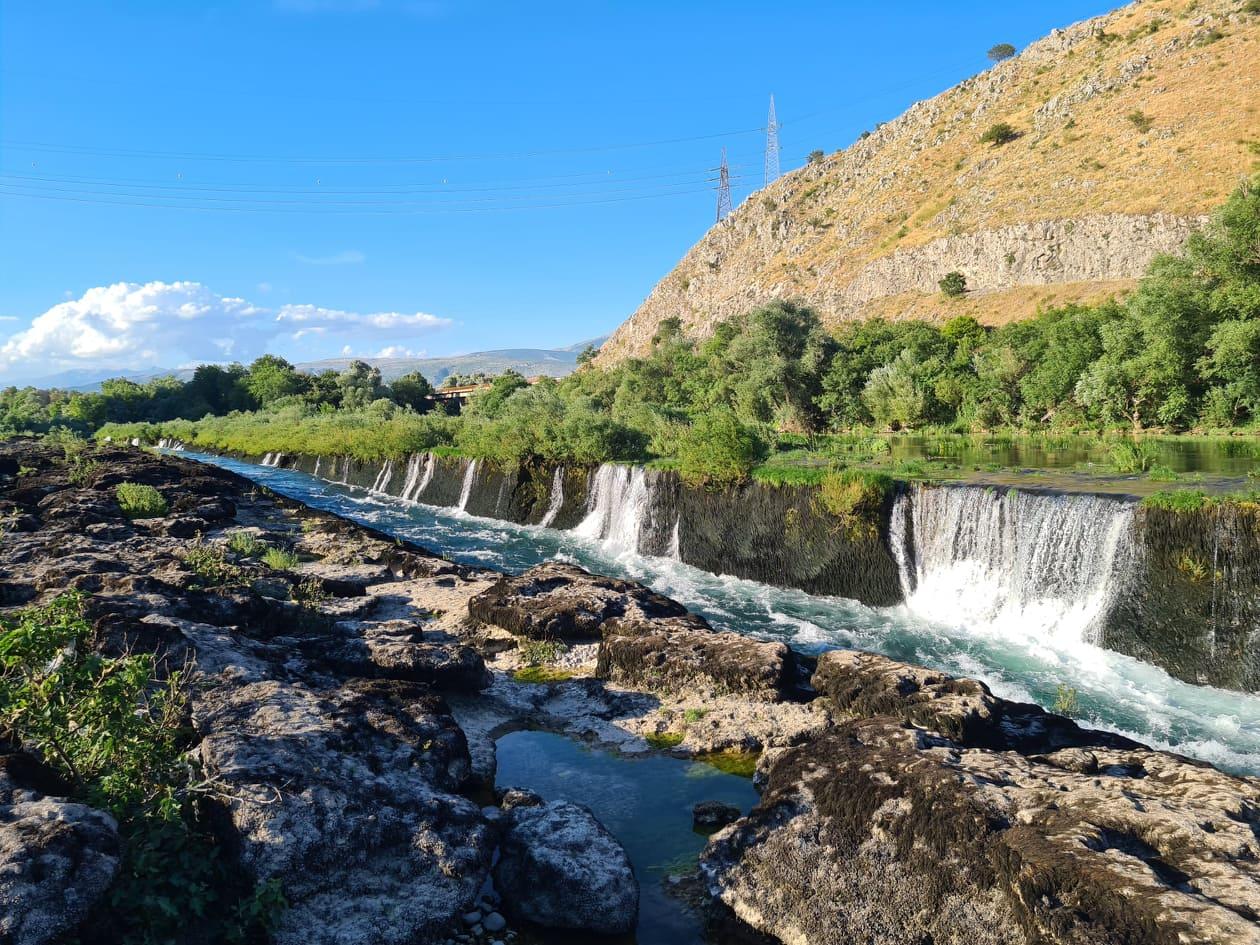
(1018, 660)
(644, 801)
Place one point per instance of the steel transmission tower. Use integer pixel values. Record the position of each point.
(772, 146)
(723, 189)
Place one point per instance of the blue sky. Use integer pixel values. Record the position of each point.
(200, 181)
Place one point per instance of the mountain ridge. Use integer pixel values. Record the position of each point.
(1129, 128)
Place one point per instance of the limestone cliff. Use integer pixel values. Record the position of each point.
(1131, 127)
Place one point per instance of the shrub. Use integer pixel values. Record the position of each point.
(999, 134)
(538, 652)
(1000, 52)
(1066, 700)
(816, 156)
(309, 593)
(83, 470)
(247, 544)
(114, 729)
(664, 740)
(1134, 456)
(1141, 121)
(210, 564)
(855, 497)
(1178, 500)
(719, 450)
(281, 559)
(140, 501)
(953, 284)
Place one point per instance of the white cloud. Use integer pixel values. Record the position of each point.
(312, 317)
(9, 318)
(349, 257)
(129, 326)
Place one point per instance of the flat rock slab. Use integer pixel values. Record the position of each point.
(558, 601)
(918, 824)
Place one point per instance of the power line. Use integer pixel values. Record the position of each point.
(41, 147)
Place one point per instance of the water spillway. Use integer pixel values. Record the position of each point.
(1011, 561)
(1030, 592)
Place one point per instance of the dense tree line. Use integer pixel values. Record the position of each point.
(269, 383)
(1182, 351)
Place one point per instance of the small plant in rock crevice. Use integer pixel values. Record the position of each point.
(1066, 700)
(280, 559)
(209, 563)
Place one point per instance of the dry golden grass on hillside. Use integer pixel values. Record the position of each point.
(1152, 109)
(1199, 105)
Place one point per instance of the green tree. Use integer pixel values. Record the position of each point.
(898, 394)
(1000, 52)
(953, 284)
(412, 390)
(719, 449)
(999, 134)
(271, 378)
(360, 385)
(490, 403)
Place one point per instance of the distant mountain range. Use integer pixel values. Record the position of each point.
(549, 362)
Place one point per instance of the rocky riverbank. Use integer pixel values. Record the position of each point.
(344, 705)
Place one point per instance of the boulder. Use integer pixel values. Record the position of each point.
(921, 824)
(675, 654)
(710, 815)
(57, 858)
(347, 797)
(558, 601)
(559, 867)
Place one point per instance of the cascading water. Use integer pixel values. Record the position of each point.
(557, 498)
(384, 476)
(465, 490)
(618, 506)
(1011, 563)
(1039, 611)
(411, 477)
(425, 478)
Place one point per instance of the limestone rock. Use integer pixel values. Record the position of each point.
(558, 866)
(57, 859)
(676, 653)
(922, 823)
(562, 601)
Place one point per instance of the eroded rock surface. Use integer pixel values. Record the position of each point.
(921, 824)
(57, 858)
(558, 866)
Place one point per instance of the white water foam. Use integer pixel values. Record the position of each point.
(617, 506)
(557, 498)
(1041, 567)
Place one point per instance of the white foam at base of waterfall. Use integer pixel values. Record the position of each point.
(1040, 567)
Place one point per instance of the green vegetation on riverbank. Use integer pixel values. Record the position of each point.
(114, 729)
(773, 390)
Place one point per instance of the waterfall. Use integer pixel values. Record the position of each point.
(1011, 563)
(617, 507)
(557, 497)
(429, 465)
(465, 491)
(384, 476)
(675, 545)
(412, 476)
(318, 460)
(271, 459)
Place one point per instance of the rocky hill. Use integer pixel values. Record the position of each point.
(1131, 127)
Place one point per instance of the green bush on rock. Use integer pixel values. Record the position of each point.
(140, 501)
(114, 729)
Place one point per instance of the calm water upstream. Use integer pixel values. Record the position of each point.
(1013, 654)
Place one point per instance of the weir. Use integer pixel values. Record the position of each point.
(1042, 565)
(1070, 570)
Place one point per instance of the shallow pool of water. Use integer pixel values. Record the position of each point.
(645, 801)
(1017, 659)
